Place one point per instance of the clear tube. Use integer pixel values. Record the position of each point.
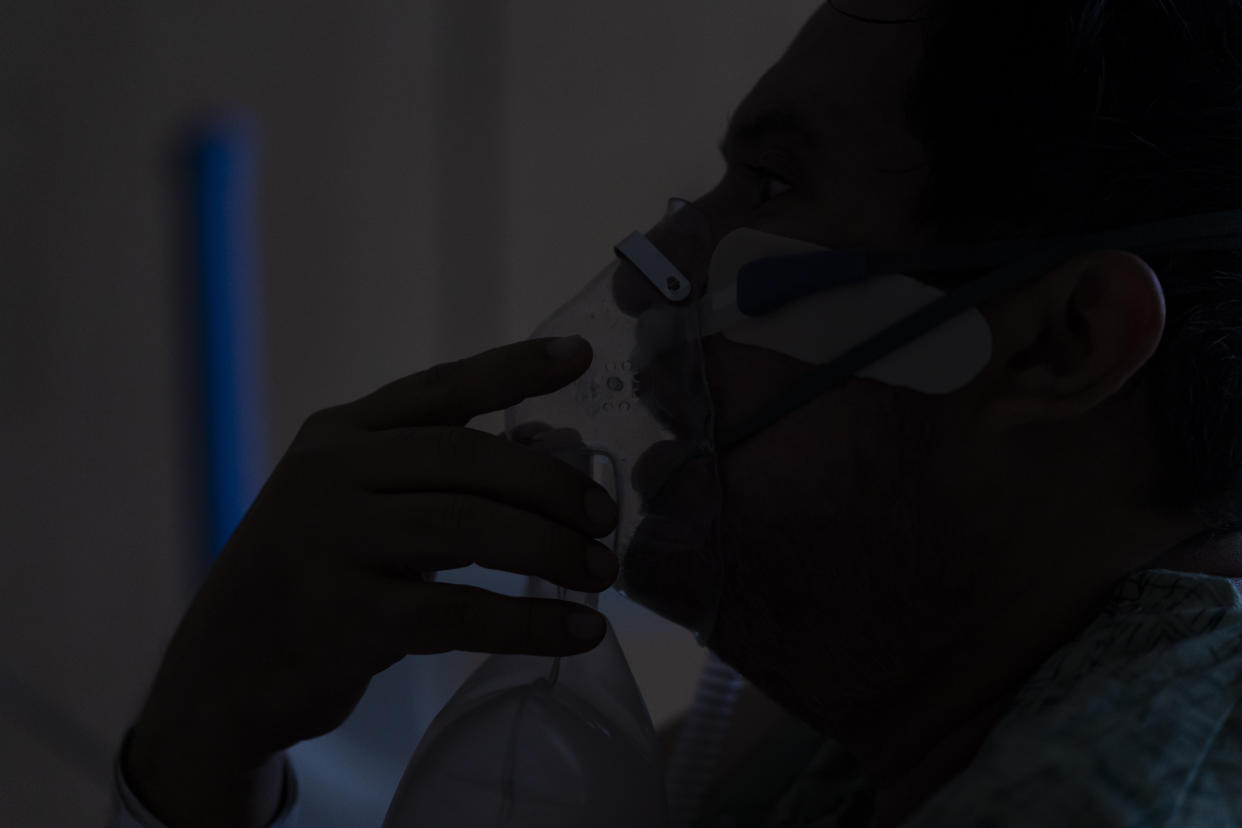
(697, 751)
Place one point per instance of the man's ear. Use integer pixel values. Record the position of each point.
(1070, 341)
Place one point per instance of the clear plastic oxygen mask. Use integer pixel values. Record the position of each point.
(640, 420)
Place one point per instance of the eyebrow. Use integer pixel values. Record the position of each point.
(777, 120)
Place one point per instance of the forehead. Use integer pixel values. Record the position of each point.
(846, 77)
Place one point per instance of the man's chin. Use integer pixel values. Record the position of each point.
(666, 570)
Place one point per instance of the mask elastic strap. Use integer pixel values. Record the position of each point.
(1210, 231)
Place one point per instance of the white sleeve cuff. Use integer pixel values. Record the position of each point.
(128, 812)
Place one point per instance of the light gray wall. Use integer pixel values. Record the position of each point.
(436, 178)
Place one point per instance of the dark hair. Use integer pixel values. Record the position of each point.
(1047, 117)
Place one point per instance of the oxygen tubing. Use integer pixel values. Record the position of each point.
(698, 745)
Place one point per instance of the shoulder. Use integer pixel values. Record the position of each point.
(1135, 722)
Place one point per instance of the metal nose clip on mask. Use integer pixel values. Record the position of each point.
(640, 420)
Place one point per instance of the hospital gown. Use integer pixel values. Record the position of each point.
(1135, 722)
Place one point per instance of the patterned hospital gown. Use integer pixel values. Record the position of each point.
(1137, 722)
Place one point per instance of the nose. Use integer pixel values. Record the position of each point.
(685, 238)
(692, 229)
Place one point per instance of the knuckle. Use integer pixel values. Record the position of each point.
(317, 470)
(527, 627)
(301, 462)
(439, 380)
(457, 445)
(469, 617)
(557, 542)
(551, 542)
(308, 461)
(455, 513)
(320, 421)
(417, 614)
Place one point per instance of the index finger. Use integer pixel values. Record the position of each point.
(453, 393)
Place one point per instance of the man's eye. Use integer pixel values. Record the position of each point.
(773, 185)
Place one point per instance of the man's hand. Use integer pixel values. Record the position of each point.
(324, 583)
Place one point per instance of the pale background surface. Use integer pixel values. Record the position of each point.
(436, 178)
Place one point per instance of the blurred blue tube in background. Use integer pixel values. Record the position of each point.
(223, 172)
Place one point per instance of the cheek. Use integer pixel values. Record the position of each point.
(758, 473)
(808, 458)
(742, 377)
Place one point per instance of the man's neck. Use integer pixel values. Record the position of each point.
(1207, 554)
(945, 718)
(896, 800)
(911, 744)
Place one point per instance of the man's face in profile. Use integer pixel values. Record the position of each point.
(846, 565)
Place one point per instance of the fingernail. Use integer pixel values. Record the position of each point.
(600, 508)
(567, 348)
(600, 562)
(585, 626)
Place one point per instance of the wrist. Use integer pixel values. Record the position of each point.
(186, 782)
